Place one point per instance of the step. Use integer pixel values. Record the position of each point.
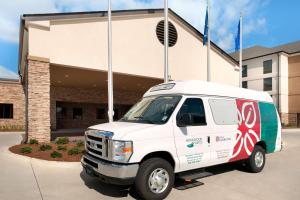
(194, 175)
(187, 185)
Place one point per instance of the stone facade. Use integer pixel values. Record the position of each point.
(12, 93)
(39, 99)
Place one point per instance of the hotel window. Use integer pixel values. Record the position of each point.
(6, 111)
(77, 113)
(100, 113)
(245, 84)
(267, 66)
(267, 84)
(244, 71)
(61, 112)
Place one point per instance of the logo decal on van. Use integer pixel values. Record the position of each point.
(248, 133)
(192, 142)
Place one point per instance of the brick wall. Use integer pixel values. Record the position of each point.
(12, 93)
(39, 99)
(288, 119)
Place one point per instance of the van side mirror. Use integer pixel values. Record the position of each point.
(184, 120)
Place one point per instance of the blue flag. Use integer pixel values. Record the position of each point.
(237, 38)
(205, 28)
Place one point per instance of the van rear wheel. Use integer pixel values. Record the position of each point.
(256, 161)
(155, 179)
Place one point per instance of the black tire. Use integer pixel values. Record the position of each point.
(252, 165)
(141, 182)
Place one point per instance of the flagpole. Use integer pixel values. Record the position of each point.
(110, 75)
(166, 39)
(241, 48)
(208, 42)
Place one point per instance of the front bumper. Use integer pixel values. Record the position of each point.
(108, 172)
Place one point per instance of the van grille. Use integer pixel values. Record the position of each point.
(96, 144)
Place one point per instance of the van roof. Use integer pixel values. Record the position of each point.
(197, 87)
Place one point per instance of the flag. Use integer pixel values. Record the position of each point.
(205, 28)
(237, 38)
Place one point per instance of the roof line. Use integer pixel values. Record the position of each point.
(49, 16)
(268, 54)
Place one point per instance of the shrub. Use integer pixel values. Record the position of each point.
(61, 148)
(45, 147)
(80, 143)
(56, 154)
(33, 141)
(74, 151)
(26, 150)
(62, 140)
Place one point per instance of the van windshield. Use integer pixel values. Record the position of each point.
(152, 110)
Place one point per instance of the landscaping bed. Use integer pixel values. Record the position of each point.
(60, 150)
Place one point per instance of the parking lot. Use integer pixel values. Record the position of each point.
(32, 179)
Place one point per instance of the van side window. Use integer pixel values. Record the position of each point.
(224, 111)
(194, 108)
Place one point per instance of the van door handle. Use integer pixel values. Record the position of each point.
(208, 139)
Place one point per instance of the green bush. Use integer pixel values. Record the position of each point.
(80, 143)
(62, 140)
(56, 154)
(61, 148)
(74, 151)
(26, 150)
(45, 147)
(33, 141)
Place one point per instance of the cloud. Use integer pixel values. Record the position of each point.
(224, 14)
(7, 74)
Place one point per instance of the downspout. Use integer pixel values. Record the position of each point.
(26, 101)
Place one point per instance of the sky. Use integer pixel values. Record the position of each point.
(266, 22)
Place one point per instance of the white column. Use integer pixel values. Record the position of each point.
(110, 73)
(241, 49)
(166, 39)
(208, 42)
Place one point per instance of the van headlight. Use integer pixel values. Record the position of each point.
(121, 151)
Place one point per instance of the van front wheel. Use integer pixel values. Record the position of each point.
(155, 179)
(256, 161)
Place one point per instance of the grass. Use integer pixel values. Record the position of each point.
(74, 151)
(56, 154)
(10, 128)
(80, 143)
(33, 141)
(61, 148)
(62, 140)
(26, 150)
(45, 147)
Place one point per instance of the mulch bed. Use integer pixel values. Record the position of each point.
(46, 155)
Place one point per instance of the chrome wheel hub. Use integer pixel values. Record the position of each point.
(259, 159)
(158, 180)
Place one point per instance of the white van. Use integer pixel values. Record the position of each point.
(178, 127)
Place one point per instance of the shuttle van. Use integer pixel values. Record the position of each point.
(177, 130)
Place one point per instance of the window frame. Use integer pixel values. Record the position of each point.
(264, 85)
(246, 69)
(265, 68)
(73, 116)
(10, 110)
(204, 110)
(245, 82)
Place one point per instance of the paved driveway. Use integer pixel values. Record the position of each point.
(31, 179)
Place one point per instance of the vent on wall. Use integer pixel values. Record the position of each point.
(160, 31)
